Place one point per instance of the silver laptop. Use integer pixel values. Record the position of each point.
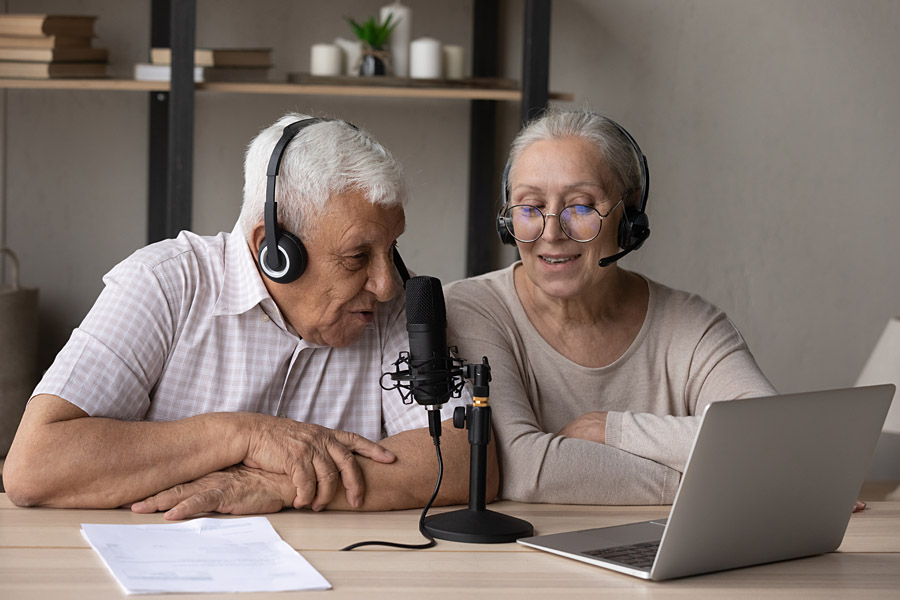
(768, 479)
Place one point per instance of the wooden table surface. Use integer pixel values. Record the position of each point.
(43, 556)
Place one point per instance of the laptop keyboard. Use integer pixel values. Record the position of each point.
(633, 555)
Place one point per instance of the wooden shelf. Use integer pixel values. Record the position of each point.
(369, 91)
(172, 109)
(130, 85)
(122, 85)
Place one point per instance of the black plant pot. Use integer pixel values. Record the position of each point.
(371, 65)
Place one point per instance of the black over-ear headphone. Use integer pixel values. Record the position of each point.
(282, 256)
(634, 228)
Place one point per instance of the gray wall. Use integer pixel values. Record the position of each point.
(770, 128)
(772, 133)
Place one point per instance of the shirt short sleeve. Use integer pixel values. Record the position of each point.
(114, 357)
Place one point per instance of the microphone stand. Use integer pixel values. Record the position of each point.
(476, 524)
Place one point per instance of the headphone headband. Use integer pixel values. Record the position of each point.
(642, 163)
(273, 259)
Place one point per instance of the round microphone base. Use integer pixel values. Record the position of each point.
(477, 527)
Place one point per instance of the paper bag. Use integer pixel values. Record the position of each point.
(18, 350)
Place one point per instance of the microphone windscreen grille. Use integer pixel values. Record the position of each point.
(425, 301)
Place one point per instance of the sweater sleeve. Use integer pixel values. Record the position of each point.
(721, 367)
(538, 465)
(541, 466)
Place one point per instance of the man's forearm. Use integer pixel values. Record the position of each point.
(409, 481)
(63, 458)
(406, 482)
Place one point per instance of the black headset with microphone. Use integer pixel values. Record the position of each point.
(634, 228)
(282, 256)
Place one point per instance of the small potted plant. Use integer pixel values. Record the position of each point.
(373, 35)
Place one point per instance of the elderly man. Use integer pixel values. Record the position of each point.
(240, 373)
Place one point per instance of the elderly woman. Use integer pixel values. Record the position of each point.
(599, 373)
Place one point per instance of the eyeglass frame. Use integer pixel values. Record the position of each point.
(507, 221)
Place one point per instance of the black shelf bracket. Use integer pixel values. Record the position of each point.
(535, 58)
(483, 176)
(171, 138)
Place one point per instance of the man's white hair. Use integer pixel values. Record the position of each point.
(322, 162)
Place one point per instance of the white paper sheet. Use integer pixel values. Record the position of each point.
(203, 555)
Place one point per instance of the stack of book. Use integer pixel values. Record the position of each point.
(49, 47)
(210, 64)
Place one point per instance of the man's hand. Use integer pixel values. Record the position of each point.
(405, 483)
(314, 457)
(237, 490)
(590, 427)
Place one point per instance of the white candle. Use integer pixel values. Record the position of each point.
(325, 59)
(425, 59)
(454, 62)
(399, 40)
(351, 51)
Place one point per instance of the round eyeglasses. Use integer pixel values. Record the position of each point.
(579, 222)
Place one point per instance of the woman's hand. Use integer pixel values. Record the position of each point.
(590, 427)
(238, 490)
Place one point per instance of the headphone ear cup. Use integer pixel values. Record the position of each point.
(292, 251)
(503, 222)
(503, 231)
(634, 228)
(297, 256)
(624, 236)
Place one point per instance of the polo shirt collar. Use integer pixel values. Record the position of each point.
(242, 286)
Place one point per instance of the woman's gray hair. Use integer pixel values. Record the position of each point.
(322, 162)
(614, 147)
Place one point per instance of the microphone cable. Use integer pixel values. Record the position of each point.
(430, 543)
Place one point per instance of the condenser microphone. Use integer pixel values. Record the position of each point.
(431, 367)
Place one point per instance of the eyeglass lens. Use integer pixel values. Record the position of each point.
(581, 223)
